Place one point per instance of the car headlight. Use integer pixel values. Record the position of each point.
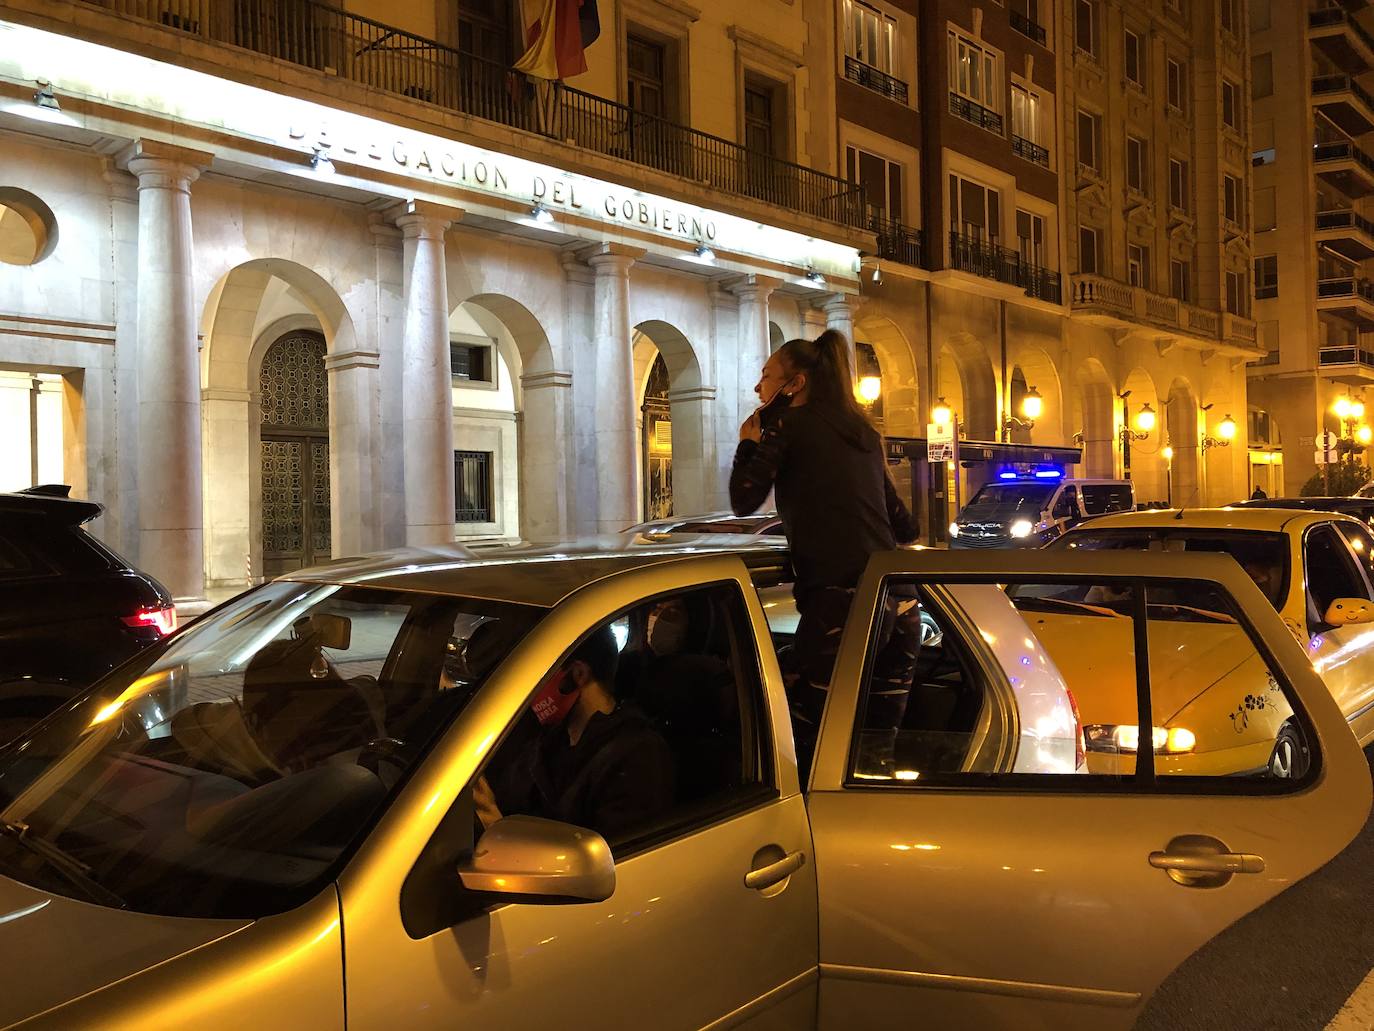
(1021, 528)
(1125, 737)
(954, 529)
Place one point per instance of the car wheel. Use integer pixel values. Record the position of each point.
(1290, 756)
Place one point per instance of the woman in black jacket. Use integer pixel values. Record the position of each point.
(811, 444)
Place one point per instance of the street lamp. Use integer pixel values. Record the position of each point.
(942, 413)
(870, 389)
(1226, 432)
(1032, 407)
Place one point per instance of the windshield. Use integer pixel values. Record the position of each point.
(1263, 555)
(1014, 498)
(229, 772)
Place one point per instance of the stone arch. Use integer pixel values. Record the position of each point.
(1038, 371)
(249, 308)
(976, 384)
(1147, 467)
(689, 413)
(776, 337)
(543, 404)
(1185, 466)
(1095, 416)
(901, 396)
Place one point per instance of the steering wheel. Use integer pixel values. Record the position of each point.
(386, 751)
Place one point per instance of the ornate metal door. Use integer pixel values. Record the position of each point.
(295, 454)
(657, 444)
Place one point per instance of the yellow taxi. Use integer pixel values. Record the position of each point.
(1215, 709)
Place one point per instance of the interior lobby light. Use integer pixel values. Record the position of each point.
(1145, 419)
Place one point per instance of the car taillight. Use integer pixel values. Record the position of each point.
(164, 621)
(1080, 749)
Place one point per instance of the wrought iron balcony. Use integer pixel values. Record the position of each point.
(1354, 118)
(1024, 148)
(962, 107)
(383, 57)
(991, 261)
(871, 78)
(1026, 27)
(1343, 51)
(896, 242)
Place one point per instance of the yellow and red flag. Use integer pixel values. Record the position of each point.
(557, 34)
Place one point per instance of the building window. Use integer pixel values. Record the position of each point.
(1137, 164)
(645, 76)
(472, 487)
(869, 36)
(1030, 237)
(472, 363)
(1230, 105)
(973, 72)
(1089, 247)
(1090, 140)
(1233, 201)
(880, 179)
(1138, 265)
(759, 137)
(484, 30)
(1266, 277)
(1261, 76)
(1136, 58)
(1025, 113)
(1177, 84)
(1266, 212)
(1085, 35)
(1237, 297)
(1181, 280)
(1230, 16)
(1179, 187)
(975, 210)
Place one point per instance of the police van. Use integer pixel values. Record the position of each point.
(1028, 510)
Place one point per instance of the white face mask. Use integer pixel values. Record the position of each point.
(667, 633)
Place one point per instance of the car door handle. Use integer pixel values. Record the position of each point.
(767, 876)
(1201, 861)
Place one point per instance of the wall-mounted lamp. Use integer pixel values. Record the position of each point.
(942, 413)
(704, 253)
(815, 277)
(1032, 407)
(1226, 432)
(541, 214)
(870, 388)
(320, 162)
(45, 98)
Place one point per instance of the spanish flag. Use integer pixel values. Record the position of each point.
(557, 34)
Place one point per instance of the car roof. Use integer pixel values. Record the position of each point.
(534, 572)
(668, 524)
(1273, 520)
(50, 500)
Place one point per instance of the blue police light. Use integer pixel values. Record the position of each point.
(1006, 474)
(1049, 474)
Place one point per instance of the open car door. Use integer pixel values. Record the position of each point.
(1078, 792)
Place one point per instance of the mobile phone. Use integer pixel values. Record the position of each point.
(771, 409)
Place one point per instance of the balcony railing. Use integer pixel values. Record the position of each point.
(1343, 150)
(382, 57)
(1139, 304)
(896, 242)
(980, 116)
(1342, 218)
(1346, 287)
(1024, 148)
(1026, 27)
(991, 261)
(1327, 16)
(871, 78)
(1341, 84)
(1345, 356)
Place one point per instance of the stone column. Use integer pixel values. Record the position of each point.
(753, 293)
(617, 443)
(355, 516)
(545, 496)
(732, 383)
(839, 314)
(426, 375)
(813, 321)
(170, 509)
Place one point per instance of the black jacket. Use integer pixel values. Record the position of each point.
(837, 503)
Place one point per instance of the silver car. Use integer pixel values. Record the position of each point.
(543, 787)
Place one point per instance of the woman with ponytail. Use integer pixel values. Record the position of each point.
(812, 446)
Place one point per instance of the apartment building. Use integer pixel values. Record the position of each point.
(1314, 175)
(285, 281)
(1033, 173)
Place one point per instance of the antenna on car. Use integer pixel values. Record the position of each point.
(1179, 517)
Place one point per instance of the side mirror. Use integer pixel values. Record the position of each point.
(526, 855)
(1349, 611)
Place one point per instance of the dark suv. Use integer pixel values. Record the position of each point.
(70, 608)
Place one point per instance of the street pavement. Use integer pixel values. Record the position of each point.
(1304, 962)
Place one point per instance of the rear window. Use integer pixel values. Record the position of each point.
(1100, 498)
(37, 546)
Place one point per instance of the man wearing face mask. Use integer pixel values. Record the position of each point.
(594, 762)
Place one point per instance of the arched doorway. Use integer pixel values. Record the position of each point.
(294, 453)
(1097, 419)
(656, 443)
(1184, 464)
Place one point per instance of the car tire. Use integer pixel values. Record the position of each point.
(1290, 757)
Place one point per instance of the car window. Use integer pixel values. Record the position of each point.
(652, 723)
(1331, 573)
(1099, 498)
(1066, 507)
(39, 546)
(1362, 544)
(1043, 685)
(226, 772)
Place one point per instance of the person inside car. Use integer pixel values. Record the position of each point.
(591, 761)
